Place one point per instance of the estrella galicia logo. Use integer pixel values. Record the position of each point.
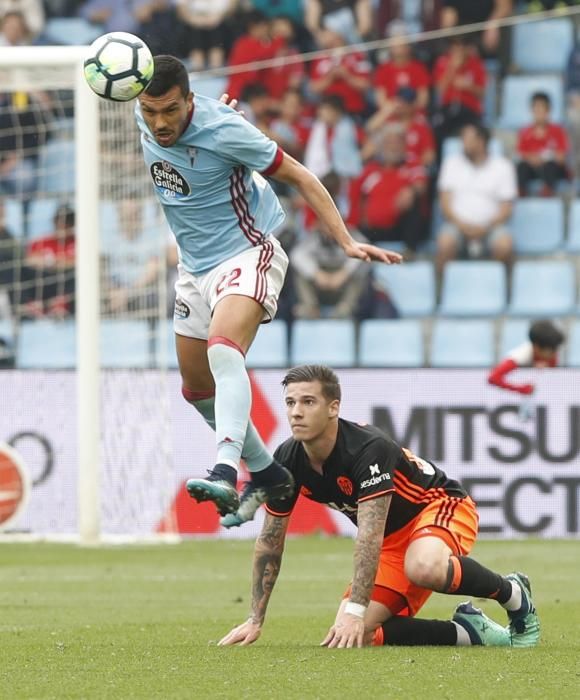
(181, 308)
(168, 181)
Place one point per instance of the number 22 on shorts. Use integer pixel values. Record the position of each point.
(228, 279)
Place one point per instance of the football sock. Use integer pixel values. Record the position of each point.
(515, 601)
(410, 631)
(466, 576)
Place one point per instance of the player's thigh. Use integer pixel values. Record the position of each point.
(236, 318)
(193, 363)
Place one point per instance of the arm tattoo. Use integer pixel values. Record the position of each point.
(267, 561)
(372, 516)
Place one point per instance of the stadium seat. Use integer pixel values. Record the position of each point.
(14, 217)
(385, 343)
(125, 343)
(473, 289)
(452, 146)
(538, 226)
(57, 167)
(464, 343)
(41, 217)
(411, 286)
(209, 87)
(573, 240)
(514, 332)
(165, 353)
(70, 30)
(543, 288)
(270, 346)
(325, 341)
(46, 344)
(573, 359)
(542, 46)
(516, 93)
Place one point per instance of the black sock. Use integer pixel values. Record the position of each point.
(224, 472)
(410, 632)
(270, 476)
(466, 576)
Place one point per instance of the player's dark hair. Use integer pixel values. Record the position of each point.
(541, 97)
(315, 373)
(169, 72)
(546, 335)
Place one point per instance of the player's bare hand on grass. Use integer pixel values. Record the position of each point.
(372, 253)
(244, 634)
(347, 632)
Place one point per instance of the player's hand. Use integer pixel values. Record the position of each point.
(347, 632)
(244, 634)
(233, 103)
(370, 253)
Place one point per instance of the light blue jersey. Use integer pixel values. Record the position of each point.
(214, 203)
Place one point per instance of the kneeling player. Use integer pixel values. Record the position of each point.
(416, 528)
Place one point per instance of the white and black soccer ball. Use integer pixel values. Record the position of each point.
(119, 66)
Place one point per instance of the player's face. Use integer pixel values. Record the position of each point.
(309, 413)
(167, 116)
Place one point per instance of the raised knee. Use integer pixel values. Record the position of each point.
(426, 572)
(192, 396)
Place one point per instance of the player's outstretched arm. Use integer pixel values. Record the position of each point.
(267, 560)
(349, 627)
(295, 174)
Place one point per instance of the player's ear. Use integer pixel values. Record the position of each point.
(189, 100)
(333, 408)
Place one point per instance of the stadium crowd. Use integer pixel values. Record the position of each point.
(378, 128)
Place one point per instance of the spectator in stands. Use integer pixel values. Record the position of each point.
(159, 26)
(205, 25)
(459, 77)
(31, 10)
(134, 266)
(543, 148)
(278, 79)
(352, 19)
(10, 266)
(257, 44)
(573, 111)
(14, 31)
(346, 75)
(421, 15)
(541, 350)
(292, 9)
(291, 128)
(419, 140)
(256, 104)
(385, 201)
(62, 8)
(333, 142)
(458, 12)
(476, 195)
(400, 71)
(48, 275)
(113, 15)
(323, 275)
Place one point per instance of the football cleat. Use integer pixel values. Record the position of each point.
(219, 486)
(524, 625)
(482, 630)
(253, 496)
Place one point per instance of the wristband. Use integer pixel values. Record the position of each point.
(355, 609)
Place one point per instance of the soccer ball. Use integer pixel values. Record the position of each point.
(119, 66)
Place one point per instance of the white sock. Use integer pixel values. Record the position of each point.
(463, 639)
(515, 601)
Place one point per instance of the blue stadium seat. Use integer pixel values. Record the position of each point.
(41, 217)
(270, 346)
(516, 93)
(14, 217)
(464, 343)
(473, 289)
(538, 225)
(542, 46)
(57, 167)
(125, 343)
(543, 288)
(574, 345)
(452, 146)
(514, 332)
(209, 87)
(165, 353)
(411, 286)
(325, 341)
(573, 240)
(385, 343)
(70, 30)
(46, 344)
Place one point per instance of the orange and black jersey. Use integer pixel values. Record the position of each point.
(365, 464)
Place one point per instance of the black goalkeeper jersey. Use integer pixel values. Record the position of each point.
(365, 464)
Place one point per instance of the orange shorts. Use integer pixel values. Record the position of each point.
(453, 520)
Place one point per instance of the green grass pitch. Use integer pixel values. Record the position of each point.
(142, 622)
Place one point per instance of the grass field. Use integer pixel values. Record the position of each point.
(142, 622)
